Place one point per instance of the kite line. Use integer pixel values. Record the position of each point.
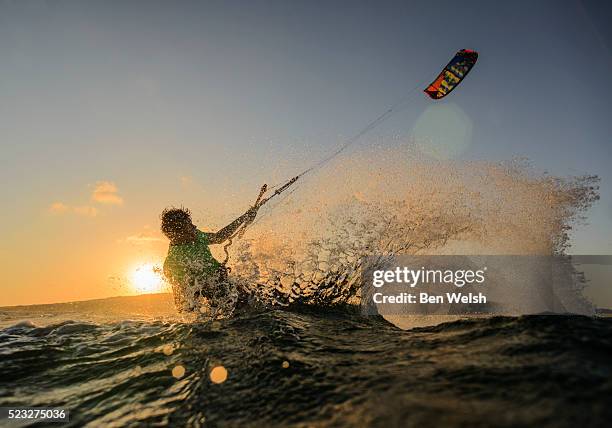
(448, 79)
(261, 201)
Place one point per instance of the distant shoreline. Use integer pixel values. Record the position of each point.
(148, 296)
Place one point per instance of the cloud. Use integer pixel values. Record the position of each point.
(186, 181)
(58, 208)
(143, 238)
(105, 192)
(85, 210)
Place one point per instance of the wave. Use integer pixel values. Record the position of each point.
(314, 366)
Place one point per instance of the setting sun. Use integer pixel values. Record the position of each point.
(147, 278)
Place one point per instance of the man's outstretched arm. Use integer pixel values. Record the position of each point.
(223, 234)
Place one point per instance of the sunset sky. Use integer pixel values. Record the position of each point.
(112, 110)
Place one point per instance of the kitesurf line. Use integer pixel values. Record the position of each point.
(373, 124)
(280, 189)
(447, 80)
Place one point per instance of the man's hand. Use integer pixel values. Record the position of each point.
(227, 231)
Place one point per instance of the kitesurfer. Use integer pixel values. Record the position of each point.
(190, 267)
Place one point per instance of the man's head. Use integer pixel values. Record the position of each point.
(177, 226)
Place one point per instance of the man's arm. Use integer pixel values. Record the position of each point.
(222, 235)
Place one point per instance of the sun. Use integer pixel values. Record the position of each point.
(146, 278)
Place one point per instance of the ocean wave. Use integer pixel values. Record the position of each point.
(314, 366)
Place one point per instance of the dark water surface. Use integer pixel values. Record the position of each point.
(343, 370)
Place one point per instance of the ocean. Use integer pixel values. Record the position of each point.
(131, 361)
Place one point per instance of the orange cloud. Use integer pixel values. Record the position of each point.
(85, 210)
(105, 192)
(82, 210)
(186, 180)
(147, 236)
(58, 208)
(142, 238)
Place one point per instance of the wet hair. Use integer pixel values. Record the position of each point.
(174, 220)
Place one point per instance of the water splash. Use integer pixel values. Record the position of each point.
(391, 201)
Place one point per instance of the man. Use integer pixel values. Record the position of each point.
(190, 267)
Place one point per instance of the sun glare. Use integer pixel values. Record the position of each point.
(146, 278)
